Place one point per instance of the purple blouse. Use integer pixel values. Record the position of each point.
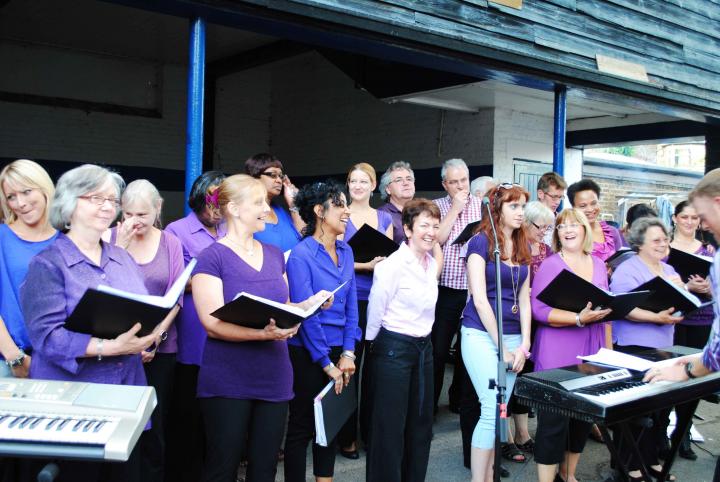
(628, 276)
(191, 335)
(247, 370)
(396, 215)
(363, 281)
(703, 316)
(62, 274)
(613, 242)
(559, 346)
(516, 276)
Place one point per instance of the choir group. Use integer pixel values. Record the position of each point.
(232, 396)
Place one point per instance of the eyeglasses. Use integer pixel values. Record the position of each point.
(273, 175)
(398, 180)
(554, 197)
(100, 200)
(563, 227)
(542, 229)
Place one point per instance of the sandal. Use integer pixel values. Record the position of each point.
(512, 453)
(656, 473)
(528, 446)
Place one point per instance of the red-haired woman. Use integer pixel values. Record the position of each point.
(479, 323)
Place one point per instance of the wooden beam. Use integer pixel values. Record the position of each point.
(249, 59)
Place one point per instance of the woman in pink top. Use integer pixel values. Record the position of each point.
(401, 312)
(563, 335)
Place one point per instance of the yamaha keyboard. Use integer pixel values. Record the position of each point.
(72, 420)
(607, 395)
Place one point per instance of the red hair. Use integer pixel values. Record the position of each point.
(498, 196)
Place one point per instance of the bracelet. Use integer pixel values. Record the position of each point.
(99, 348)
(16, 362)
(295, 209)
(349, 355)
(525, 352)
(688, 370)
(577, 321)
(328, 367)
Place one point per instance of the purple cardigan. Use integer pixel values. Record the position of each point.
(557, 347)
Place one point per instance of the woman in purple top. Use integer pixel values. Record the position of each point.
(86, 201)
(563, 335)
(361, 182)
(196, 231)
(245, 379)
(25, 193)
(643, 329)
(479, 330)
(585, 196)
(159, 256)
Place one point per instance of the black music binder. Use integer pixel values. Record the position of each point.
(255, 311)
(619, 257)
(665, 294)
(687, 264)
(369, 243)
(107, 312)
(333, 410)
(570, 292)
(467, 233)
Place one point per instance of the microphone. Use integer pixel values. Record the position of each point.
(486, 201)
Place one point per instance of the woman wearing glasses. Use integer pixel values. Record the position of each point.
(643, 329)
(560, 337)
(479, 324)
(282, 229)
(585, 196)
(86, 201)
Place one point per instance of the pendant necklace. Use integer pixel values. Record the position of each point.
(250, 251)
(515, 284)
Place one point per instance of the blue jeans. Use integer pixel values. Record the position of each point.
(480, 353)
(5, 371)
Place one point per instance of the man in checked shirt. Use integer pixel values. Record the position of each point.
(705, 198)
(457, 209)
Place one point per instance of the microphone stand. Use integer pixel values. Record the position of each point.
(501, 382)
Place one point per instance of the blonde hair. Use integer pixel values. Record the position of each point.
(142, 188)
(366, 168)
(25, 172)
(709, 186)
(572, 214)
(237, 188)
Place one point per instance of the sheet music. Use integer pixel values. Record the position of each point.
(617, 359)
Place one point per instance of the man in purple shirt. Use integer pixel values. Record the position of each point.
(397, 187)
(705, 198)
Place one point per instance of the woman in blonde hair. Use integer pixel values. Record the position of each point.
(245, 380)
(25, 193)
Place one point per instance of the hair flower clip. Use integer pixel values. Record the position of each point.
(211, 198)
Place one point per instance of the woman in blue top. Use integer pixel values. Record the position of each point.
(320, 262)
(282, 229)
(479, 323)
(25, 192)
(361, 182)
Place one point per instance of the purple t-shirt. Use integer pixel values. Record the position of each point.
(509, 276)
(191, 335)
(62, 274)
(559, 346)
(363, 281)
(246, 370)
(628, 276)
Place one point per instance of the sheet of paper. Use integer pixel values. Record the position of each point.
(616, 359)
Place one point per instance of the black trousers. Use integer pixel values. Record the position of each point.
(400, 433)
(160, 373)
(185, 435)
(448, 310)
(234, 427)
(308, 379)
(694, 336)
(557, 434)
(349, 432)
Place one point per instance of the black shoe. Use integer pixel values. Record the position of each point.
(350, 454)
(454, 408)
(504, 473)
(687, 452)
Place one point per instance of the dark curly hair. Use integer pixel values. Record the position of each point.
(318, 193)
(582, 185)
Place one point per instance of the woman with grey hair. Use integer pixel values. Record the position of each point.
(643, 329)
(86, 201)
(159, 256)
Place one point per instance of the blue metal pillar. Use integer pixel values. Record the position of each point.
(559, 128)
(195, 106)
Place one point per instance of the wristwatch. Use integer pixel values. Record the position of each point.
(16, 362)
(577, 320)
(688, 370)
(163, 335)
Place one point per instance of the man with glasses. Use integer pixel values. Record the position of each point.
(397, 187)
(551, 192)
(459, 208)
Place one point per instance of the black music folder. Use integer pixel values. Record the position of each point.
(254, 311)
(467, 233)
(619, 257)
(333, 410)
(666, 295)
(107, 312)
(570, 292)
(687, 264)
(369, 243)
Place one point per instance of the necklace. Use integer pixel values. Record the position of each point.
(515, 284)
(250, 251)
